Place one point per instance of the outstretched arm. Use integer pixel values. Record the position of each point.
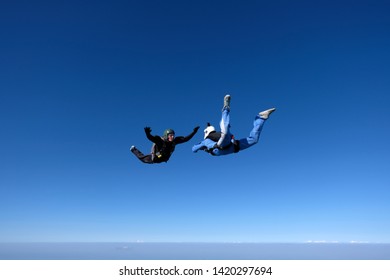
(200, 146)
(154, 139)
(183, 139)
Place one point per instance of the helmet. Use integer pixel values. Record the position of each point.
(168, 131)
(208, 130)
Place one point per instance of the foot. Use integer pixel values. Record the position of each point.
(226, 102)
(132, 148)
(265, 114)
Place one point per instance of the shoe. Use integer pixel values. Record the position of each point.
(226, 102)
(265, 114)
(132, 148)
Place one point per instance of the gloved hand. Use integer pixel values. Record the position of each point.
(196, 129)
(147, 129)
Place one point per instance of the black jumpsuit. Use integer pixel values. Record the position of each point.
(165, 147)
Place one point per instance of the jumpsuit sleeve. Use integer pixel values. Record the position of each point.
(200, 146)
(155, 139)
(183, 139)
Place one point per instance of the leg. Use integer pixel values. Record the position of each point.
(225, 129)
(141, 156)
(225, 123)
(254, 135)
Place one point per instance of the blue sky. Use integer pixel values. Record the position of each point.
(80, 80)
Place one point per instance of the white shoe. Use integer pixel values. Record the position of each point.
(132, 148)
(226, 102)
(265, 114)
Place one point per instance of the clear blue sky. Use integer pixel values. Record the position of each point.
(81, 79)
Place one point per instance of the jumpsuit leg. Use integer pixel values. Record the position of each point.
(225, 128)
(254, 135)
(142, 157)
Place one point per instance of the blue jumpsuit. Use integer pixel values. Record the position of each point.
(226, 137)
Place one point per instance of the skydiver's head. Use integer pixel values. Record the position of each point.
(169, 134)
(208, 130)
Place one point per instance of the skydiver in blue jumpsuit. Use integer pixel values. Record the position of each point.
(223, 143)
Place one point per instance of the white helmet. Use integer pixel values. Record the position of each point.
(208, 130)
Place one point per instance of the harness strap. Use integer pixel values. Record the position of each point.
(236, 146)
(226, 147)
(235, 143)
(161, 152)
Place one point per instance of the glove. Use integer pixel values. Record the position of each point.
(196, 129)
(147, 130)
